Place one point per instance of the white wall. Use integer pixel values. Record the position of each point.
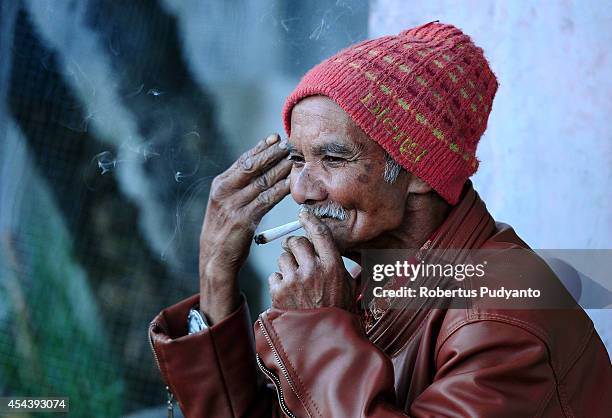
(547, 154)
(546, 157)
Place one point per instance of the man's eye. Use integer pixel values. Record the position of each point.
(296, 159)
(334, 160)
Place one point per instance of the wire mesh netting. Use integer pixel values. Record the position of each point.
(113, 122)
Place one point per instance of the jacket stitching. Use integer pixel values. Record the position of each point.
(273, 335)
(286, 370)
(578, 352)
(553, 389)
(565, 405)
(502, 319)
(567, 410)
(451, 329)
(496, 318)
(540, 334)
(545, 401)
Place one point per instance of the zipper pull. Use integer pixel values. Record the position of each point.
(170, 403)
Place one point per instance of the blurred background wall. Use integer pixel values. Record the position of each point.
(115, 117)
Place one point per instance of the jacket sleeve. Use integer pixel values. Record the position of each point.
(326, 367)
(212, 373)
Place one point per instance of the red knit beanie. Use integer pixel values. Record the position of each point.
(423, 95)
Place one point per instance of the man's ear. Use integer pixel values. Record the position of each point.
(417, 186)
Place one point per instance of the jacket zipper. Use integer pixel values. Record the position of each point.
(277, 383)
(170, 400)
(283, 369)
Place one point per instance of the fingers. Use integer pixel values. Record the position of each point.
(262, 145)
(320, 236)
(253, 162)
(287, 264)
(264, 181)
(267, 199)
(275, 284)
(302, 252)
(243, 160)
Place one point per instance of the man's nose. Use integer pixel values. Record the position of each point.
(307, 187)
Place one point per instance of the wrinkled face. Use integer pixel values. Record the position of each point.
(335, 163)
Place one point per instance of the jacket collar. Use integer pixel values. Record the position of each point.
(467, 226)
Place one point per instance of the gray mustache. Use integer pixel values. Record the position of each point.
(328, 210)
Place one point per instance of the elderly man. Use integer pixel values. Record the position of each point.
(382, 141)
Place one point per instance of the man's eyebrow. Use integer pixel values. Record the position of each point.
(337, 148)
(330, 148)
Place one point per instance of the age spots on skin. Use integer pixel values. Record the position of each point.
(363, 178)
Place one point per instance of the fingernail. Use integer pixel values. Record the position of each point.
(272, 139)
(283, 144)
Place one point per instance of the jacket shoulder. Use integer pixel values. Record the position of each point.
(554, 317)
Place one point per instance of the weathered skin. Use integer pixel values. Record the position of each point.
(332, 160)
(239, 198)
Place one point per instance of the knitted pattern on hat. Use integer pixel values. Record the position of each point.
(424, 95)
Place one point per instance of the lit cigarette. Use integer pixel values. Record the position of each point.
(275, 233)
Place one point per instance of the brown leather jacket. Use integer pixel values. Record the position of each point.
(421, 363)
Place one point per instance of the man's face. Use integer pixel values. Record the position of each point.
(334, 162)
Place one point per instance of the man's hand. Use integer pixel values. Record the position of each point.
(239, 198)
(312, 274)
